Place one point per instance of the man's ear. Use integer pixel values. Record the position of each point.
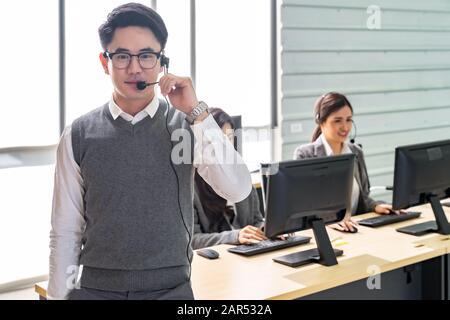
(104, 62)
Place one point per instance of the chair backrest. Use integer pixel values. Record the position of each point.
(238, 133)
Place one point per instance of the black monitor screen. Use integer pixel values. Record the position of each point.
(301, 191)
(421, 170)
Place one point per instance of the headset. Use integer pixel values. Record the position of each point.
(352, 139)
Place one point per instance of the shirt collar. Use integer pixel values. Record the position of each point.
(345, 148)
(150, 110)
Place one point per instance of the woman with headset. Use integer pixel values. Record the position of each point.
(334, 119)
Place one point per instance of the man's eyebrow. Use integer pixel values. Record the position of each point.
(148, 49)
(128, 50)
(122, 50)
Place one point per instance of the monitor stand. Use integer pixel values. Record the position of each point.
(440, 225)
(323, 254)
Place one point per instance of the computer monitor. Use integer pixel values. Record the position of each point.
(422, 175)
(304, 194)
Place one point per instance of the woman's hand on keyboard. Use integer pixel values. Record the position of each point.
(250, 234)
(387, 209)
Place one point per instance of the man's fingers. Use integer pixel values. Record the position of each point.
(169, 82)
(166, 83)
(168, 86)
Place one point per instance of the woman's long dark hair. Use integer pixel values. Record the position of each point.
(214, 205)
(325, 106)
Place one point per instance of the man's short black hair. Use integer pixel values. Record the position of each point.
(133, 14)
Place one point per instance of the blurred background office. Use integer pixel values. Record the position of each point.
(265, 60)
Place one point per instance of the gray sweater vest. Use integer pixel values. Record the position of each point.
(134, 237)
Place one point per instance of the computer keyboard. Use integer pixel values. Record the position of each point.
(269, 245)
(383, 220)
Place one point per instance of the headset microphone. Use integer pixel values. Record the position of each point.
(142, 85)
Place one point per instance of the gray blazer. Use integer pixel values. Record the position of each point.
(246, 213)
(317, 149)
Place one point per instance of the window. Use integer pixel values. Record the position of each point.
(30, 120)
(233, 57)
(29, 83)
(25, 212)
(233, 66)
(176, 15)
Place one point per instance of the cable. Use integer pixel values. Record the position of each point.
(142, 85)
(178, 192)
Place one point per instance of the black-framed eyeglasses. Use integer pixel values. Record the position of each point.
(121, 60)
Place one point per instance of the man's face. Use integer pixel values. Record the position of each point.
(133, 40)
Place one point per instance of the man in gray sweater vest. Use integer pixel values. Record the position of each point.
(123, 201)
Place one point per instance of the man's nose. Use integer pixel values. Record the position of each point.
(134, 66)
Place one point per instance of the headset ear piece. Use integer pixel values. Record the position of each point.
(164, 61)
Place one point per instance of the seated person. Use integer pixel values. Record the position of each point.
(333, 115)
(216, 221)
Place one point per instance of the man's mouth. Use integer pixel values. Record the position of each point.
(132, 82)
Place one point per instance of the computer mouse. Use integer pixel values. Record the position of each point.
(208, 253)
(354, 230)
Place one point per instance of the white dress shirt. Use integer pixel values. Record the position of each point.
(345, 150)
(228, 180)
